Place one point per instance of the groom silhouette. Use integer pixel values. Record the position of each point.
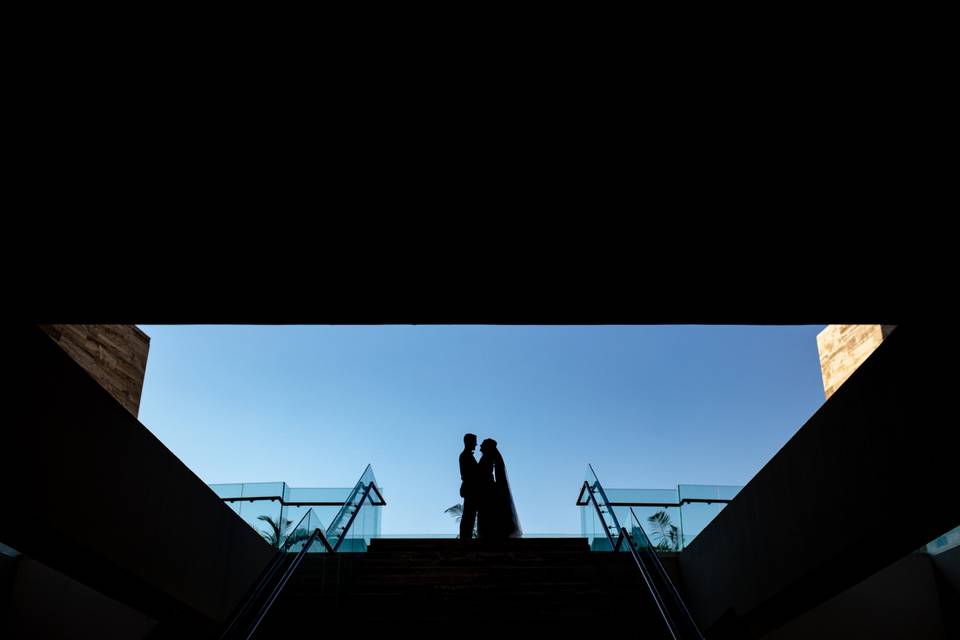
(469, 489)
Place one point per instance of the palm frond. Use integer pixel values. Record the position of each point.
(664, 534)
(273, 537)
(456, 511)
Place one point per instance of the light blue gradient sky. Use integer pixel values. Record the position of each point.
(649, 406)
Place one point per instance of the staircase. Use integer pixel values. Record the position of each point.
(429, 584)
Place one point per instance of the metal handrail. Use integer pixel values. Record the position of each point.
(317, 534)
(678, 617)
(603, 494)
(666, 578)
(680, 503)
(265, 577)
(282, 583)
(262, 581)
(633, 553)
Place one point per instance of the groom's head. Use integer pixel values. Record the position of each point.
(469, 441)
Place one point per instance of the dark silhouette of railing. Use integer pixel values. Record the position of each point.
(673, 611)
(264, 593)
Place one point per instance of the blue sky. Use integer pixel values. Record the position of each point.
(649, 406)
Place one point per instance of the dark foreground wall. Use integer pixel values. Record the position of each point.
(863, 483)
(90, 492)
(47, 604)
(900, 601)
(946, 568)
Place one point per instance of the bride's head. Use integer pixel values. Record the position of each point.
(488, 446)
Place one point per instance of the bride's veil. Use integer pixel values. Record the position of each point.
(502, 471)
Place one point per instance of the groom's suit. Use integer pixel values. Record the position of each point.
(469, 491)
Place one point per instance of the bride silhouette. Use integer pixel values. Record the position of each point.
(497, 515)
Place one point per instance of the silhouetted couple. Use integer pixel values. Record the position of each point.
(486, 493)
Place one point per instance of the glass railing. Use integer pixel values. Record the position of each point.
(707, 492)
(662, 524)
(358, 520)
(605, 524)
(699, 505)
(260, 505)
(671, 518)
(298, 538)
(271, 507)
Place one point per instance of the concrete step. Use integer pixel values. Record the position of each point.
(366, 562)
(537, 618)
(470, 592)
(502, 574)
(513, 544)
(418, 584)
(515, 599)
(491, 558)
(343, 569)
(553, 611)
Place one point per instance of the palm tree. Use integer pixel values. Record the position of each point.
(665, 535)
(456, 511)
(275, 538)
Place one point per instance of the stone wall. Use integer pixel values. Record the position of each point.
(843, 347)
(114, 354)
